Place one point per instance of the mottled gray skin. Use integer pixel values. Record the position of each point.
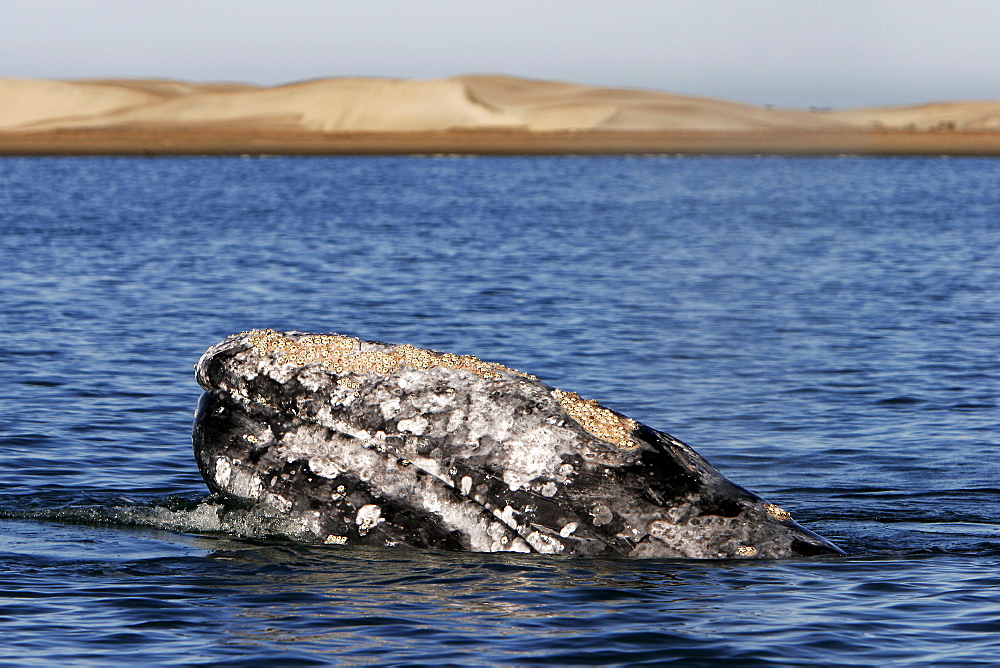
(444, 458)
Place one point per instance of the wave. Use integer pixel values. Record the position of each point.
(210, 515)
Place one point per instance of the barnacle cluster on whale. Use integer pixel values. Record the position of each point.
(343, 355)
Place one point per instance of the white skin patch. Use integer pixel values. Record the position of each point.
(416, 425)
(568, 530)
(322, 466)
(223, 469)
(544, 544)
(390, 408)
(507, 516)
(368, 517)
(530, 455)
(236, 479)
(466, 485)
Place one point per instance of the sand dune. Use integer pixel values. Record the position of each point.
(24, 102)
(471, 103)
(342, 105)
(967, 116)
(590, 108)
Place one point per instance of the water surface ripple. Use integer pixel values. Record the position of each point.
(822, 330)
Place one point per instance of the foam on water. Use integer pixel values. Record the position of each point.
(209, 515)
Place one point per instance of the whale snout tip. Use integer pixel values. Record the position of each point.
(814, 546)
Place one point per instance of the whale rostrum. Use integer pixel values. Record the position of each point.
(369, 443)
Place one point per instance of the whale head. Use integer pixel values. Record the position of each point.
(370, 443)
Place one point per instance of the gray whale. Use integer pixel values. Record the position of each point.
(368, 443)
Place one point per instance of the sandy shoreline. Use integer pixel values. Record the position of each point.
(470, 114)
(223, 141)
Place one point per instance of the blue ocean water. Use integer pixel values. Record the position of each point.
(823, 330)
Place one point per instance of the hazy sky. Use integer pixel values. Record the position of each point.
(836, 53)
